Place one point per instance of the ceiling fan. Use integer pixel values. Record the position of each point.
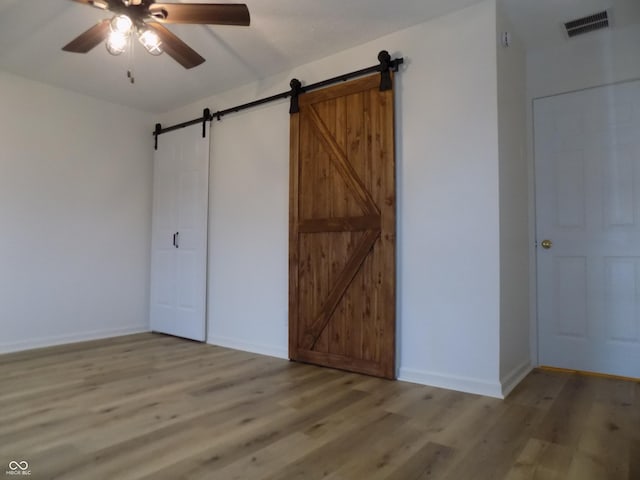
(145, 19)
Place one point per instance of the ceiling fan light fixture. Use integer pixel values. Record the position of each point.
(116, 43)
(151, 42)
(121, 24)
(103, 4)
(136, 17)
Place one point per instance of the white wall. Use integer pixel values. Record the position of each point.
(515, 359)
(248, 231)
(448, 205)
(448, 202)
(75, 212)
(598, 58)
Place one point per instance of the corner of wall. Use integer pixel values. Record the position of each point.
(511, 380)
(240, 344)
(452, 382)
(514, 205)
(52, 341)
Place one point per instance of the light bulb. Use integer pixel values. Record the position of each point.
(103, 4)
(116, 43)
(151, 42)
(121, 24)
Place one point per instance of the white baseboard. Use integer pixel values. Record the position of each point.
(237, 344)
(511, 380)
(64, 339)
(452, 382)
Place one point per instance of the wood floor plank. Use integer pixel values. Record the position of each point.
(634, 460)
(465, 425)
(329, 457)
(541, 460)
(634, 427)
(406, 454)
(606, 440)
(564, 420)
(498, 447)
(281, 453)
(155, 407)
(540, 389)
(262, 432)
(426, 463)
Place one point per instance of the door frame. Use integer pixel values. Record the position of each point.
(534, 321)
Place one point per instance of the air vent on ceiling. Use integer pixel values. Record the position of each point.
(587, 24)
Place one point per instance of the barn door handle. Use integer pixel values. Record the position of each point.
(176, 239)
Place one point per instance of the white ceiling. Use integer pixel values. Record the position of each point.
(283, 34)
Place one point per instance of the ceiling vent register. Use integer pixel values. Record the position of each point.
(587, 24)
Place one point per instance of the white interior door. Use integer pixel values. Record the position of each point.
(179, 238)
(587, 162)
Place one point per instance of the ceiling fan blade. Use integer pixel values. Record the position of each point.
(89, 39)
(201, 13)
(176, 48)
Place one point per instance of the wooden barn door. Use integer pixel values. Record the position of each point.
(342, 229)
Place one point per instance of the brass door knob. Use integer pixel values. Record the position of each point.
(546, 244)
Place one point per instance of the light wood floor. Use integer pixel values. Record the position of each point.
(154, 407)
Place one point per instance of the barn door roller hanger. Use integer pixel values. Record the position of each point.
(385, 66)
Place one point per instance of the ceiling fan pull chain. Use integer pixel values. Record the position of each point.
(130, 76)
